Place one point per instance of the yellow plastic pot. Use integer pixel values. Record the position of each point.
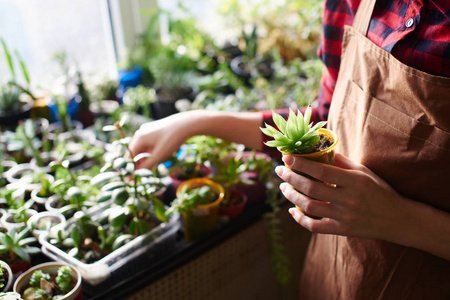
(325, 156)
(201, 220)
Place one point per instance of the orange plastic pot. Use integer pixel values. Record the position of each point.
(201, 220)
(325, 156)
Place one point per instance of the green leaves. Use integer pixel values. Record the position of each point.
(8, 59)
(296, 135)
(17, 244)
(64, 278)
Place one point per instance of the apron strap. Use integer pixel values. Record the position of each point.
(363, 16)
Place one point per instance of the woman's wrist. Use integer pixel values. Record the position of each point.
(423, 227)
(238, 127)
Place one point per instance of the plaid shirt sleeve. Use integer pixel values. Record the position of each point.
(416, 32)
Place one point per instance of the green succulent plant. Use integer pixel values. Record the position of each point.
(296, 135)
(16, 245)
(190, 198)
(9, 97)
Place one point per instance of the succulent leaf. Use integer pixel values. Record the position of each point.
(296, 135)
(269, 130)
(307, 116)
(274, 143)
(279, 121)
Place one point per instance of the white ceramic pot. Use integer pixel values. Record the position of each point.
(9, 282)
(22, 282)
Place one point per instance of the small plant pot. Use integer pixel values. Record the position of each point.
(7, 165)
(55, 205)
(10, 119)
(16, 172)
(237, 206)
(19, 266)
(177, 180)
(46, 221)
(22, 282)
(40, 200)
(325, 156)
(56, 131)
(256, 192)
(47, 158)
(7, 220)
(202, 220)
(8, 275)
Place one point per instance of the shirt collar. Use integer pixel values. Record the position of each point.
(443, 6)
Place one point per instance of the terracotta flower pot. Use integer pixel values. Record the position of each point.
(236, 207)
(201, 220)
(22, 282)
(19, 266)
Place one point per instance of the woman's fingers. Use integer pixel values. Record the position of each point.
(323, 225)
(320, 171)
(309, 205)
(313, 188)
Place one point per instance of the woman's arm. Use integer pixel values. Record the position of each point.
(361, 204)
(164, 137)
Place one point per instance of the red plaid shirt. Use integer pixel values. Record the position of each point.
(416, 32)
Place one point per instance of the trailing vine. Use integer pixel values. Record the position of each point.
(280, 260)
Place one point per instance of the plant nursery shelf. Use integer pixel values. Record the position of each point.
(196, 270)
(182, 253)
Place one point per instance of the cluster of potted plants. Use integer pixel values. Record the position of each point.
(68, 190)
(101, 210)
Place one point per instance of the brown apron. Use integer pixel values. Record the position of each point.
(396, 121)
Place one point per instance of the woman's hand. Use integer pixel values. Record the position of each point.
(161, 138)
(164, 137)
(353, 201)
(356, 202)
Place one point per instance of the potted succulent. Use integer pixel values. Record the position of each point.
(50, 281)
(258, 168)
(198, 201)
(4, 167)
(190, 162)
(16, 249)
(44, 192)
(173, 74)
(13, 106)
(18, 217)
(127, 224)
(6, 277)
(298, 137)
(229, 175)
(45, 221)
(251, 63)
(72, 189)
